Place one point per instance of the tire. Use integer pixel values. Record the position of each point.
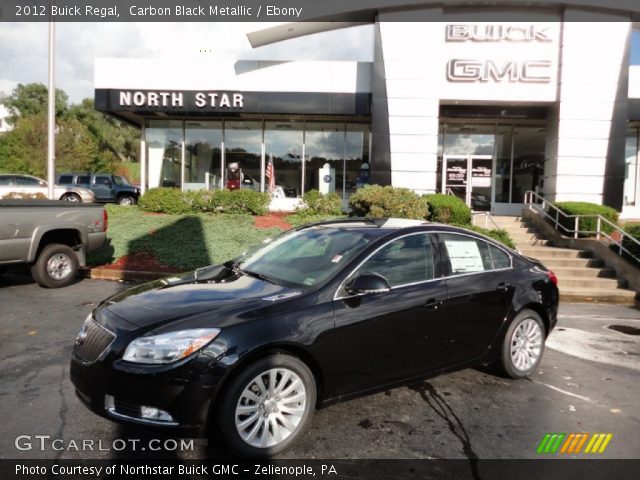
(56, 266)
(523, 345)
(255, 441)
(71, 197)
(126, 200)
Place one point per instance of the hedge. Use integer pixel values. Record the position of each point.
(315, 203)
(586, 224)
(447, 209)
(634, 230)
(378, 201)
(173, 201)
(499, 235)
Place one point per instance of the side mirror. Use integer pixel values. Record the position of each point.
(368, 283)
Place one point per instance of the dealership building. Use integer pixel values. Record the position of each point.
(483, 103)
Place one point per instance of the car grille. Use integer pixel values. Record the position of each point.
(93, 342)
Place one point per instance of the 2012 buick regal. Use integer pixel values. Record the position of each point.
(250, 348)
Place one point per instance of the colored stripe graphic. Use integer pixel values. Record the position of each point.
(572, 443)
(551, 442)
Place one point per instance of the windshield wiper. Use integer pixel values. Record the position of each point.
(260, 276)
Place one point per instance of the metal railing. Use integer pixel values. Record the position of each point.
(487, 219)
(548, 210)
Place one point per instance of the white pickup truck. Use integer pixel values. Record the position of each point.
(52, 237)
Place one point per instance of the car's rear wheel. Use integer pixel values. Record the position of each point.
(523, 345)
(71, 197)
(267, 406)
(56, 267)
(126, 200)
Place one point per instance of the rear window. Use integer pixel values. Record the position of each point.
(84, 180)
(5, 181)
(65, 179)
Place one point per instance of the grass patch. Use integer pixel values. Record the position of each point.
(183, 241)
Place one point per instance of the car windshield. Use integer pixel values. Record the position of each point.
(304, 258)
(120, 180)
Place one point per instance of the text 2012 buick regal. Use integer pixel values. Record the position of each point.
(250, 348)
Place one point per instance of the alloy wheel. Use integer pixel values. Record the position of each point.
(271, 408)
(526, 345)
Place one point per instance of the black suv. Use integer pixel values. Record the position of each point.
(107, 188)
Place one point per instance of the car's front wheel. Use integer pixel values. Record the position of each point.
(523, 345)
(267, 406)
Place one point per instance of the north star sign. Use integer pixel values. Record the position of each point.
(150, 99)
(487, 70)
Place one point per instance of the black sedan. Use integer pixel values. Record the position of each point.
(250, 348)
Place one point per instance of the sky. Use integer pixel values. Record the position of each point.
(23, 56)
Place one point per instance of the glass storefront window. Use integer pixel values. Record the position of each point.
(631, 173)
(502, 184)
(164, 152)
(469, 140)
(243, 155)
(528, 160)
(325, 144)
(357, 165)
(203, 142)
(283, 145)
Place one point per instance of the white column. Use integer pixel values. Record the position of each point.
(412, 88)
(592, 57)
(143, 159)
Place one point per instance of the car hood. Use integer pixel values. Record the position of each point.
(216, 290)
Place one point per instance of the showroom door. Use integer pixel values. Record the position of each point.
(468, 177)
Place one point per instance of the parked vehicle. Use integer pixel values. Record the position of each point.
(250, 348)
(28, 185)
(50, 236)
(106, 187)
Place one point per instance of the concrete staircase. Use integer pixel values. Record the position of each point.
(581, 278)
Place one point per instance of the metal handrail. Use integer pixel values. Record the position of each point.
(487, 218)
(542, 204)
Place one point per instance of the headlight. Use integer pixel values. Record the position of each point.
(168, 347)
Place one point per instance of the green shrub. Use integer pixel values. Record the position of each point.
(634, 230)
(378, 201)
(164, 200)
(499, 235)
(241, 201)
(173, 201)
(586, 224)
(316, 203)
(447, 209)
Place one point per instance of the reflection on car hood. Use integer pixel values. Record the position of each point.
(226, 294)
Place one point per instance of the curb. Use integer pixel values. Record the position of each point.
(121, 275)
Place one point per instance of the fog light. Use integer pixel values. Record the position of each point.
(152, 413)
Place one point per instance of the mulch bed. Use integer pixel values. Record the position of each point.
(272, 220)
(140, 262)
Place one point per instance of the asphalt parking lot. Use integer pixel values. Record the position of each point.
(587, 382)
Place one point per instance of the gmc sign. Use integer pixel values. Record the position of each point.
(530, 71)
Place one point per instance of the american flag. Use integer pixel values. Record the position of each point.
(270, 173)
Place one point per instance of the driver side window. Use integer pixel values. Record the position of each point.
(403, 261)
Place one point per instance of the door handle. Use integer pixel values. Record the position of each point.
(503, 287)
(432, 304)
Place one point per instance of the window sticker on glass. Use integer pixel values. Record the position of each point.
(336, 259)
(309, 281)
(464, 255)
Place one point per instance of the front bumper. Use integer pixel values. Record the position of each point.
(118, 390)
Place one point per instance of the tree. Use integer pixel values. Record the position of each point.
(32, 99)
(24, 149)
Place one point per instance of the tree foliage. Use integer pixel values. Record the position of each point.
(86, 140)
